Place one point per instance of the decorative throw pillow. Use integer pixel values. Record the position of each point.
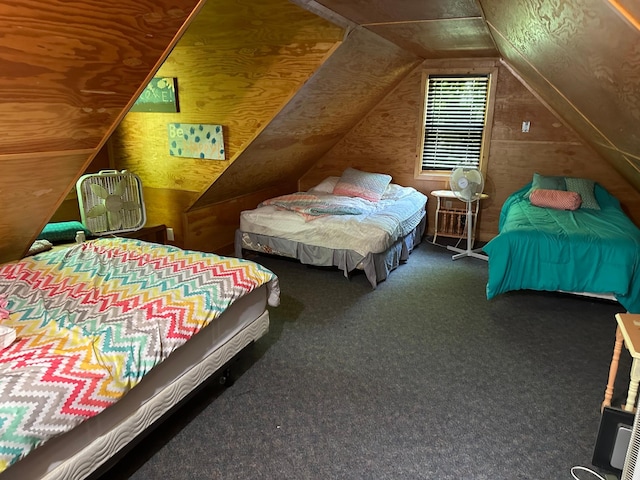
(586, 189)
(39, 246)
(355, 183)
(547, 183)
(325, 186)
(62, 231)
(557, 199)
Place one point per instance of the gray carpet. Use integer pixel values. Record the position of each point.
(422, 378)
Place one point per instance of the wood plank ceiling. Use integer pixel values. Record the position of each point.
(581, 57)
(69, 71)
(385, 41)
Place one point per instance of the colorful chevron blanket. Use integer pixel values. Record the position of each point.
(93, 319)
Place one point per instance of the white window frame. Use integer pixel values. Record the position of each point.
(491, 72)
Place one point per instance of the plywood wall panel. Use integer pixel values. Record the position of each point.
(258, 24)
(549, 158)
(351, 82)
(583, 61)
(383, 11)
(591, 55)
(69, 70)
(444, 38)
(627, 7)
(156, 198)
(584, 127)
(26, 201)
(69, 209)
(237, 65)
(387, 141)
(515, 104)
(212, 228)
(243, 95)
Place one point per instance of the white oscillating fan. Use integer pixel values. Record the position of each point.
(111, 202)
(467, 184)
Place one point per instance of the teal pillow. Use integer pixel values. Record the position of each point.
(586, 189)
(62, 231)
(548, 183)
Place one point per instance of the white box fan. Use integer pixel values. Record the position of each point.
(111, 202)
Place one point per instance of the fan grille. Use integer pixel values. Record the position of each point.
(467, 183)
(111, 202)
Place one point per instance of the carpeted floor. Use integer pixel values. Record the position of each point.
(422, 378)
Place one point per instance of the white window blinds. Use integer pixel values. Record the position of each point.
(454, 121)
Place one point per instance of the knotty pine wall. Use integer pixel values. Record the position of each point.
(388, 139)
(237, 65)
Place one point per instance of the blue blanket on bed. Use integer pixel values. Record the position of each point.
(586, 250)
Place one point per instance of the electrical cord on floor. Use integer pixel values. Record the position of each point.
(584, 469)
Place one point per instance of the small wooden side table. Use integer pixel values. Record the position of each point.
(627, 333)
(451, 221)
(154, 234)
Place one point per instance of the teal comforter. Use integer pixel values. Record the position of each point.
(594, 251)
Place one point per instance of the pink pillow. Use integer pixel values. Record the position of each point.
(557, 199)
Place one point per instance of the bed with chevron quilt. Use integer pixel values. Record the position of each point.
(102, 338)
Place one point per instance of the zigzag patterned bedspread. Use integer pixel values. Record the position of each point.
(93, 319)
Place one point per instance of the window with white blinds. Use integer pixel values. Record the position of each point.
(455, 112)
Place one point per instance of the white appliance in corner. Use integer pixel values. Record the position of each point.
(111, 202)
(631, 469)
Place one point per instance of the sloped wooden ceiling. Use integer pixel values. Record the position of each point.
(385, 41)
(351, 82)
(68, 73)
(429, 29)
(579, 57)
(583, 59)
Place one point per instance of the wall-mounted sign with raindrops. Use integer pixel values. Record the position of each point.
(193, 140)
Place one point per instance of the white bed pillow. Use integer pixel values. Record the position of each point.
(325, 186)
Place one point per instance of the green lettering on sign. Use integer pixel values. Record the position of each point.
(158, 96)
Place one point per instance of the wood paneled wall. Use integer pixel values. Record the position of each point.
(582, 58)
(69, 209)
(352, 81)
(387, 140)
(69, 72)
(237, 65)
(212, 228)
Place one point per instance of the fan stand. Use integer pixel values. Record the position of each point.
(468, 252)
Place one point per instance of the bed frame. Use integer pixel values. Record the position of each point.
(376, 266)
(81, 451)
(585, 251)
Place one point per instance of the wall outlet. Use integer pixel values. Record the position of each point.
(448, 204)
(170, 236)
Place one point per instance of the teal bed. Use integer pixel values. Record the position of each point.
(592, 251)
